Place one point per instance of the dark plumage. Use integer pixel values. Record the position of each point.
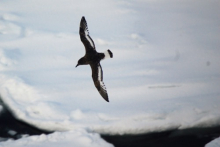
(93, 58)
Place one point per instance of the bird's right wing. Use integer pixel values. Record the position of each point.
(97, 76)
(84, 35)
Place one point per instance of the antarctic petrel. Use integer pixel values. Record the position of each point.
(93, 58)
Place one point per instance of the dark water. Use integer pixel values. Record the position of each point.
(14, 129)
(172, 138)
(10, 128)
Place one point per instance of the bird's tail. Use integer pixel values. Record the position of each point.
(108, 54)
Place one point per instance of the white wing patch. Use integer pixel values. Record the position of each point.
(88, 37)
(100, 78)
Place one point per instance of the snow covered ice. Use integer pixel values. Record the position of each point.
(78, 138)
(164, 74)
(214, 143)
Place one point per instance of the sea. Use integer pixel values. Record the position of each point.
(11, 128)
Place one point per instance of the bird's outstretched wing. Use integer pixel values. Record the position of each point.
(97, 76)
(84, 35)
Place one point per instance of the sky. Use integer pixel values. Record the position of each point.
(164, 73)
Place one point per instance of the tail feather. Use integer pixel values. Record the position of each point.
(108, 54)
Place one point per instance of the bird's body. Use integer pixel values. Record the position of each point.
(93, 58)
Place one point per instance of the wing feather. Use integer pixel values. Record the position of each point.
(84, 35)
(97, 76)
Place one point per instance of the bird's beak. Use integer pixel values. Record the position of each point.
(77, 65)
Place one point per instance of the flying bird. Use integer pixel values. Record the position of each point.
(93, 58)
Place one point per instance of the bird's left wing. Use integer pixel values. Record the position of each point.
(84, 35)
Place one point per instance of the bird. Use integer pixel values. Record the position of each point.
(93, 58)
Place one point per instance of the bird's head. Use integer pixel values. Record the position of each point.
(81, 61)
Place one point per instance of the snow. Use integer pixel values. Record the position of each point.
(214, 143)
(78, 137)
(164, 74)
